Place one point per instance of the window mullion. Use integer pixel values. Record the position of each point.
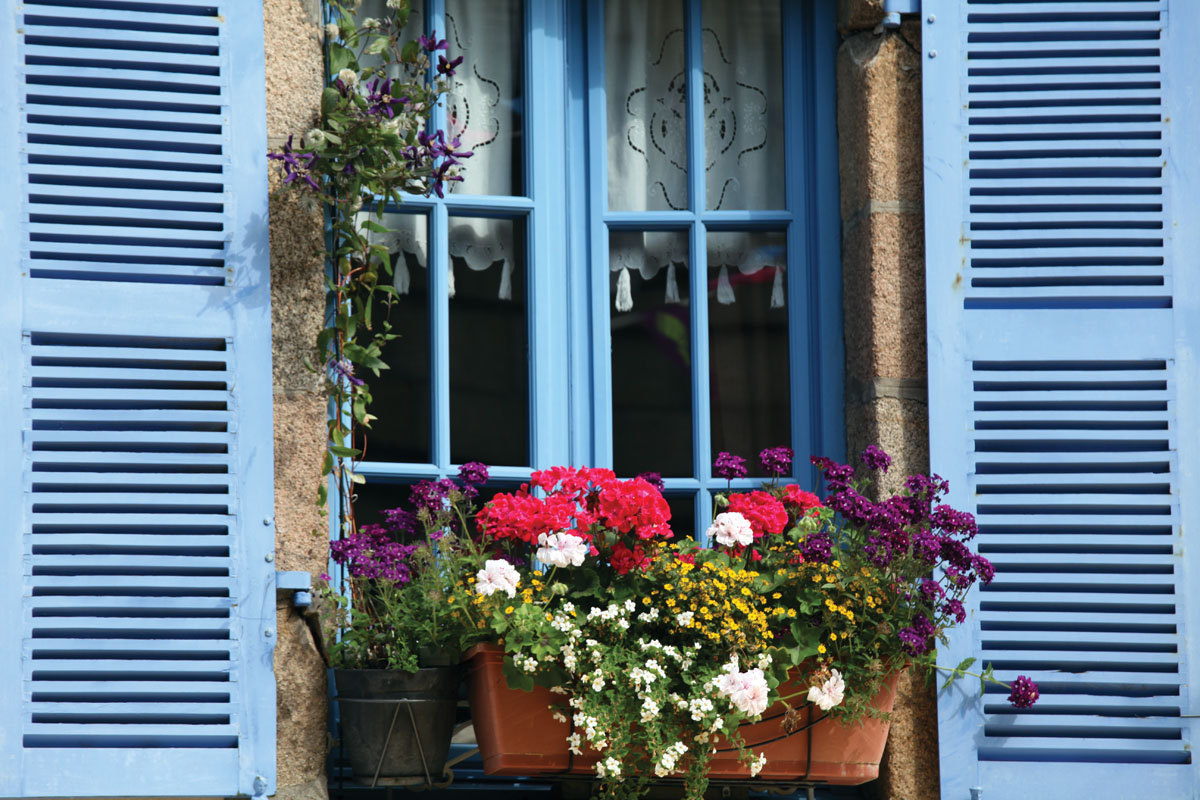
(439, 319)
(597, 283)
(701, 429)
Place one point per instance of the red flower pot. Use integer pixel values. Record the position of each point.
(518, 736)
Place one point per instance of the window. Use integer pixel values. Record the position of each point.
(630, 158)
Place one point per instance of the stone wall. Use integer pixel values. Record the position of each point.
(879, 139)
(294, 83)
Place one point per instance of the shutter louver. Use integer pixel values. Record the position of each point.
(1062, 384)
(141, 605)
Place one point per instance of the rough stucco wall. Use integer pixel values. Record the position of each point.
(880, 160)
(294, 82)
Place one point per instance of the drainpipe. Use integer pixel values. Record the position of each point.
(892, 10)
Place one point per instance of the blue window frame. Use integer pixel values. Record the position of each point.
(561, 217)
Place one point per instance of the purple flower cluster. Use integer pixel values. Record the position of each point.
(1024, 692)
(431, 43)
(911, 527)
(654, 479)
(473, 473)
(434, 150)
(431, 495)
(817, 548)
(918, 638)
(729, 466)
(875, 458)
(371, 553)
(344, 371)
(776, 461)
(380, 101)
(297, 164)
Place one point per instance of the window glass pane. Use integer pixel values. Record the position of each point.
(651, 353)
(484, 107)
(377, 9)
(401, 394)
(489, 343)
(748, 343)
(647, 98)
(377, 495)
(743, 104)
(683, 515)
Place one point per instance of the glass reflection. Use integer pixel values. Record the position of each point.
(489, 346)
(651, 353)
(402, 397)
(748, 343)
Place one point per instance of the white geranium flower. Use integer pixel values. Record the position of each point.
(348, 77)
(497, 575)
(830, 693)
(730, 528)
(747, 691)
(562, 549)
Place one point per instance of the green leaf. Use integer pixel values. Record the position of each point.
(409, 51)
(515, 677)
(339, 58)
(329, 101)
(375, 227)
(344, 452)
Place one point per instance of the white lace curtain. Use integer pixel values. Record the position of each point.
(483, 112)
(647, 132)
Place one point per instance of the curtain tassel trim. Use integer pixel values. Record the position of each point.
(624, 291)
(724, 289)
(672, 286)
(777, 289)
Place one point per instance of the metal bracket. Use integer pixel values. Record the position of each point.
(298, 583)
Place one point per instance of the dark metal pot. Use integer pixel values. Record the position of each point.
(397, 725)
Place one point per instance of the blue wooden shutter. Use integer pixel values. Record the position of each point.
(1062, 196)
(136, 582)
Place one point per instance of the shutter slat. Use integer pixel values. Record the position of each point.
(149, 162)
(187, 63)
(65, 36)
(118, 19)
(99, 629)
(104, 647)
(76, 75)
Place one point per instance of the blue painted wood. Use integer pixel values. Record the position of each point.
(136, 571)
(1061, 304)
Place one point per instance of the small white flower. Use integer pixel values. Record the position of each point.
(684, 619)
(830, 693)
(730, 528)
(562, 549)
(497, 575)
(395, 3)
(598, 684)
(558, 715)
(370, 23)
(757, 764)
(332, 30)
(574, 740)
(348, 77)
(314, 138)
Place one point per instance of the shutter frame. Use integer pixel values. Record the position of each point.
(233, 309)
(1034, 325)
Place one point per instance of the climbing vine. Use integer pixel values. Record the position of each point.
(372, 145)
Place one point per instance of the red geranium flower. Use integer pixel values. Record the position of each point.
(764, 512)
(623, 559)
(793, 495)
